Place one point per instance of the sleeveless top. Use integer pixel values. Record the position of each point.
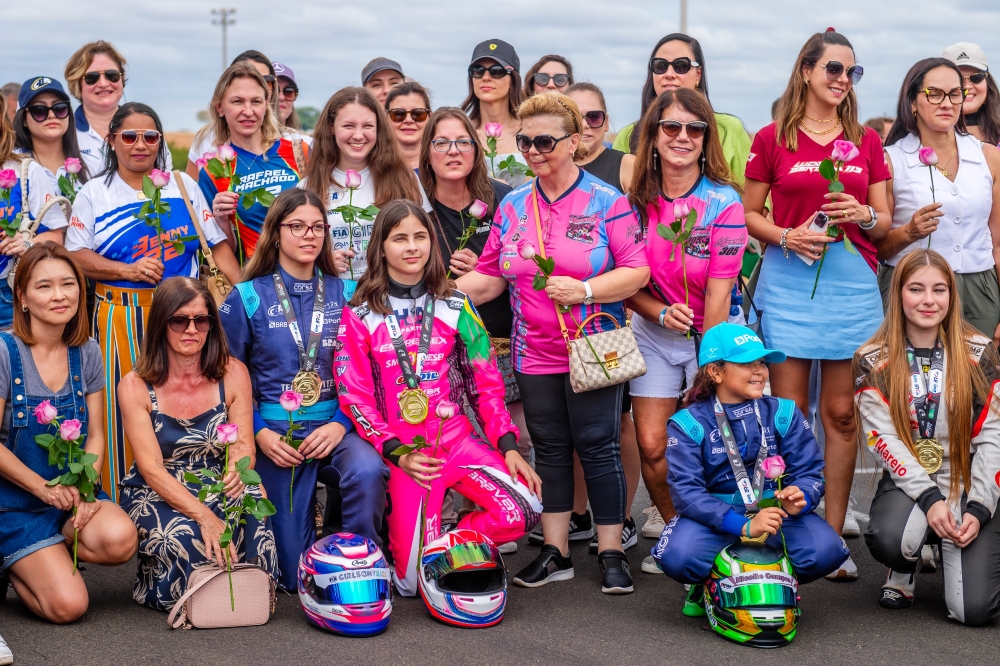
(962, 236)
(607, 167)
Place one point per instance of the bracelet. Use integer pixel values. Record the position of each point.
(662, 315)
(784, 241)
(746, 529)
(871, 223)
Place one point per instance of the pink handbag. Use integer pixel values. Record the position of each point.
(206, 603)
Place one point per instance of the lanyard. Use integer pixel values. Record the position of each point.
(307, 359)
(926, 389)
(411, 376)
(749, 492)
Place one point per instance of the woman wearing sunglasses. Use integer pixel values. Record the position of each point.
(551, 72)
(981, 109)
(589, 230)
(408, 106)
(612, 166)
(287, 91)
(677, 61)
(811, 314)
(294, 265)
(960, 216)
(184, 390)
(127, 257)
(354, 134)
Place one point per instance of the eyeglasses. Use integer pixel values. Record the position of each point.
(978, 77)
(461, 145)
(180, 323)
(289, 92)
(399, 115)
(936, 95)
(695, 129)
(496, 71)
(269, 80)
(595, 119)
(543, 143)
(834, 69)
(40, 112)
(298, 229)
(149, 137)
(112, 75)
(559, 79)
(680, 65)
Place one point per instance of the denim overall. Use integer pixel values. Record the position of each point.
(27, 523)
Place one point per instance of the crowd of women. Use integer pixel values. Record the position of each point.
(395, 225)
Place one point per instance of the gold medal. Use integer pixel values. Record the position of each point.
(930, 454)
(413, 406)
(309, 385)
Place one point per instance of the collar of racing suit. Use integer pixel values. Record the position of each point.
(398, 290)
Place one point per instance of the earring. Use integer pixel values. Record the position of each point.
(24, 308)
(656, 159)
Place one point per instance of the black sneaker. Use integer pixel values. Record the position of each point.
(581, 528)
(897, 592)
(629, 537)
(549, 566)
(615, 575)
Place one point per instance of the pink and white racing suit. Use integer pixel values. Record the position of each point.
(460, 367)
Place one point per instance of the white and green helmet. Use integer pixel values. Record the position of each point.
(751, 595)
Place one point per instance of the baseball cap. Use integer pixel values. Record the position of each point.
(498, 50)
(967, 54)
(284, 70)
(735, 344)
(379, 65)
(35, 86)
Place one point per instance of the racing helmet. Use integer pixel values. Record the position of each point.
(345, 585)
(751, 595)
(462, 579)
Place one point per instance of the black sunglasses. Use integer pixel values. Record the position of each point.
(40, 112)
(399, 115)
(149, 137)
(543, 143)
(559, 79)
(695, 129)
(595, 119)
(978, 77)
(496, 71)
(112, 75)
(680, 65)
(834, 69)
(269, 80)
(290, 93)
(180, 323)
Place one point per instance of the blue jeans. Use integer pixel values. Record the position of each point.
(6, 305)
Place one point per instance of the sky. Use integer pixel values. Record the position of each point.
(174, 52)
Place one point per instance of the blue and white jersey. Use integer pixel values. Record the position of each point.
(39, 190)
(94, 166)
(92, 146)
(104, 220)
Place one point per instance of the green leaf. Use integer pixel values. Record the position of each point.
(265, 507)
(420, 442)
(89, 458)
(491, 143)
(249, 502)
(218, 487)
(76, 468)
(770, 501)
(403, 450)
(548, 264)
(209, 473)
(69, 478)
(692, 219)
(53, 455)
(539, 281)
(264, 198)
(243, 463)
(369, 213)
(250, 478)
(187, 239)
(45, 439)
(247, 201)
(53, 482)
(90, 473)
(148, 188)
(66, 188)
(835, 186)
(827, 170)
(666, 232)
(192, 478)
(295, 426)
(849, 246)
(86, 488)
(178, 247)
(216, 168)
(234, 182)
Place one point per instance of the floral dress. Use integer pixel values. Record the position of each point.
(170, 544)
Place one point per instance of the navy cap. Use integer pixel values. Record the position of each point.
(735, 344)
(34, 87)
(498, 50)
(379, 65)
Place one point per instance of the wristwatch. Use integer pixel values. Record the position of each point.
(869, 225)
(589, 298)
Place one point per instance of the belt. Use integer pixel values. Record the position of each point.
(321, 411)
(737, 500)
(137, 298)
(501, 346)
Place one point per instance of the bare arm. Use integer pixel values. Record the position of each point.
(95, 428)
(625, 173)
(797, 239)
(647, 306)
(192, 170)
(96, 267)
(611, 287)
(239, 402)
(718, 294)
(226, 261)
(480, 288)
(923, 223)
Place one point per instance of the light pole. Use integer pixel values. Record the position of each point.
(684, 17)
(225, 20)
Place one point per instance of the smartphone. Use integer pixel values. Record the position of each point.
(819, 223)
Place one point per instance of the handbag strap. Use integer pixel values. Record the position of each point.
(541, 251)
(746, 292)
(592, 317)
(205, 249)
(300, 156)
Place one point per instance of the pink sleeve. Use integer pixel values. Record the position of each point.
(357, 386)
(878, 170)
(489, 260)
(759, 166)
(624, 240)
(728, 241)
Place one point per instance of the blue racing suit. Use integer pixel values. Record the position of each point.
(258, 335)
(710, 511)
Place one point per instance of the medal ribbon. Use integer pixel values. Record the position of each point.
(411, 376)
(926, 390)
(307, 358)
(749, 492)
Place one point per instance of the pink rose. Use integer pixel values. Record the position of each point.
(201, 162)
(70, 430)
(72, 165)
(478, 209)
(681, 209)
(446, 410)
(8, 179)
(352, 179)
(927, 156)
(774, 466)
(226, 153)
(227, 433)
(45, 412)
(159, 178)
(844, 151)
(493, 130)
(527, 251)
(290, 400)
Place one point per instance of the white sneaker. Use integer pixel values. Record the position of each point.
(653, 527)
(6, 656)
(848, 572)
(851, 527)
(928, 562)
(651, 566)
(508, 548)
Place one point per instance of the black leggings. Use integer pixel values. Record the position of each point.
(561, 421)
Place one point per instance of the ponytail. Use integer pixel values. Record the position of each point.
(702, 387)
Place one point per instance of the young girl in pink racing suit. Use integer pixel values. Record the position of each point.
(397, 397)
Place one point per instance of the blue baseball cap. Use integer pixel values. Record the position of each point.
(37, 85)
(735, 344)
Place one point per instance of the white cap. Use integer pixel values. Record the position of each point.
(966, 54)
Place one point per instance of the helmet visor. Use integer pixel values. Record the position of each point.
(763, 595)
(461, 556)
(359, 586)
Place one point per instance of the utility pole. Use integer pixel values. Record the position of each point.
(684, 17)
(225, 20)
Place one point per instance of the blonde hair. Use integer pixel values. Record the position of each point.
(218, 128)
(556, 104)
(79, 63)
(7, 136)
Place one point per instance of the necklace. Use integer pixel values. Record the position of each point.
(940, 168)
(820, 132)
(817, 120)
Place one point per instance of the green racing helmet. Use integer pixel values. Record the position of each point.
(751, 595)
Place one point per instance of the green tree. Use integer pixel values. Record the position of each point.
(308, 115)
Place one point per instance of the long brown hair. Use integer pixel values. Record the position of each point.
(373, 287)
(792, 104)
(7, 135)
(391, 177)
(964, 379)
(646, 178)
(913, 85)
(515, 97)
(172, 294)
(478, 180)
(77, 330)
(217, 130)
(529, 77)
(702, 386)
(265, 257)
